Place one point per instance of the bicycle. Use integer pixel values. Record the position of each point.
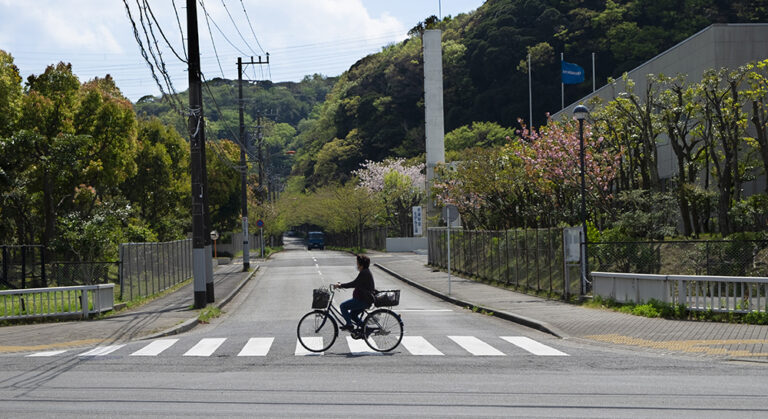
(382, 328)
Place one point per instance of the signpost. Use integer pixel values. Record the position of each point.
(450, 214)
(417, 222)
(214, 237)
(260, 225)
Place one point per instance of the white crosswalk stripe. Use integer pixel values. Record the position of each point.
(155, 348)
(532, 346)
(261, 347)
(256, 347)
(206, 347)
(417, 345)
(312, 342)
(359, 347)
(102, 350)
(476, 346)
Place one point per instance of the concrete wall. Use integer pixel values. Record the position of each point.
(406, 244)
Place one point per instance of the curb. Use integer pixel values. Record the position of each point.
(515, 318)
(191, 323)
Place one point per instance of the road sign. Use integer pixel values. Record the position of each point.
(450, 213)
(214, 235)
(259, 223)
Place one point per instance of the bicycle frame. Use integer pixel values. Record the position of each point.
(335, 312)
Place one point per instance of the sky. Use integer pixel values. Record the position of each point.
(303, 37)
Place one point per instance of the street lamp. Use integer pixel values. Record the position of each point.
(580, 112)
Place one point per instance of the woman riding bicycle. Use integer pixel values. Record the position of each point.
(362, 296)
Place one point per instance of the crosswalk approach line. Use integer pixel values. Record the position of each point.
(532, 346)
(256, 347)
(417, 345)
(476, 346)
(46, 353)
(206, 347)
(155, 348)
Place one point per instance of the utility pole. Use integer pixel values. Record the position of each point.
(244, 168)
(244, 145)
(197, 147)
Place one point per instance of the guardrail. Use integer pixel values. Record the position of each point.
(81, 300)
(734, 294)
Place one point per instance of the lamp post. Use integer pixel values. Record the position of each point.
(580, 113)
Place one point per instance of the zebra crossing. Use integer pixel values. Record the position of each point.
(262, 346)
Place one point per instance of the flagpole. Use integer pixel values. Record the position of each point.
(562, 85)
(530, 95)
(593, 72)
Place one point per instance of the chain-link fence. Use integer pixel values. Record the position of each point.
(711, 257)
(527, 259)
(22, 266)
(373, 238)
(68, 274)
(149, 268)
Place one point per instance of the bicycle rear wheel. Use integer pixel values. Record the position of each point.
(317, 331)
(383, 330)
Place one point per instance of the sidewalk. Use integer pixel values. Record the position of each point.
(170, 314)
(728, 341)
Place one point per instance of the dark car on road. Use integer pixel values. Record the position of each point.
(316, 239)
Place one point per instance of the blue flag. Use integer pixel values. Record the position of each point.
(571, 73)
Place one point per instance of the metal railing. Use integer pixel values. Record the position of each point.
(527, 259)
(21, 266)
(711, 257)
(697, 293)
(56, 302)
(149, 268)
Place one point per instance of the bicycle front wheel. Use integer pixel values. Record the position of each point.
(383, 330)
(317, 331)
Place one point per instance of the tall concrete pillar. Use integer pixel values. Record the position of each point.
(433, 104)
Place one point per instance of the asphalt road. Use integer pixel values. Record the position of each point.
(453, 363)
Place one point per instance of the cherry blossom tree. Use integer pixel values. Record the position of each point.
(398, 185)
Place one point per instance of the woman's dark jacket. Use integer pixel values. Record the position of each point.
(363, 285)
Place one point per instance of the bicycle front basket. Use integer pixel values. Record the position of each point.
(388, 298)
(320, 297)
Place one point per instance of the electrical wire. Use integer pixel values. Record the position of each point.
(236, 28)
(219, 29)
(157, 24)
(176, 12)
(210, 33)
(251, 26)
(144, 55)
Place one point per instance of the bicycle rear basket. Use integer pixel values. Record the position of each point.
(387, 298)
(320, 297)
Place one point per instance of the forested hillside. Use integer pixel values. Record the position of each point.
(375, 110)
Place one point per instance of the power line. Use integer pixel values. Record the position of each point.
(219, 29)
(136, 35)
(208, 23)
(236, 28)
(251, 26)
(157, 24)
(181, 31)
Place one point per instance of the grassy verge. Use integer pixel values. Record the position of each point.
(267, 251)
(654, 308)
(208, 313)
(355, 250)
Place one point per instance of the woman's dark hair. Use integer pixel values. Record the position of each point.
(363, 261)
